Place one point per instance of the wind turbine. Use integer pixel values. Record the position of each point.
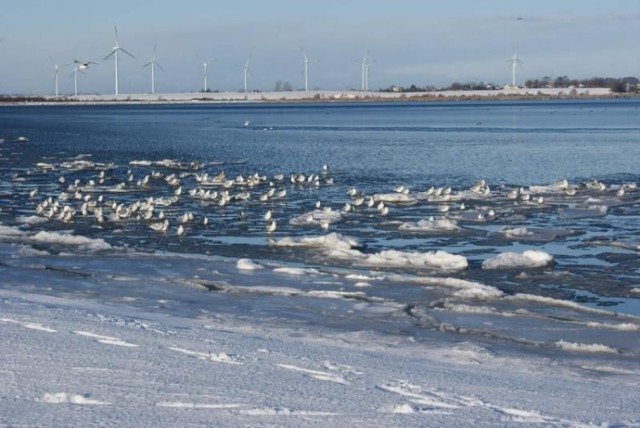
(246, 71)
(116, 49)
(153, 63)
(75, 72)
(306, 70)
(56, 73)
(205, 65)
(365, 72)
(515, 62)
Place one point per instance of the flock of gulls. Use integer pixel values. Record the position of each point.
(96, 196)
(175, 197)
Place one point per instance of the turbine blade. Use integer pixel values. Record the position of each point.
(108, 56)
(161, 67)
(149, 63)
(115, 30)
(127, 52)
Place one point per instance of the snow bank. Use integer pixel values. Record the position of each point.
(509, 260)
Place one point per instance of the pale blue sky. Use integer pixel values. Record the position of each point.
(410, 41)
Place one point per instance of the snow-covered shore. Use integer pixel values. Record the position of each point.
(77, 362)
(272, 96)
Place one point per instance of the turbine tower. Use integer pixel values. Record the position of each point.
(56, 73)
(205, 65)
(365, 72)
(116, 49)
(153, 63)
(515, 62)
(306, 71)
(246, 71)
(75, 72)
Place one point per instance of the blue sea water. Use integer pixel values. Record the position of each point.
(374, 148)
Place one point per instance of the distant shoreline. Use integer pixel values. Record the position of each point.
(325, 96)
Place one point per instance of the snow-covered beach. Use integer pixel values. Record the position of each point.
(71, 361)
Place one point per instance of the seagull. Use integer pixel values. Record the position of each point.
(83, 65)
(160, 226)
(271, 227)
(268, 215)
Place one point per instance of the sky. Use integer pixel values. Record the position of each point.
(408, 42)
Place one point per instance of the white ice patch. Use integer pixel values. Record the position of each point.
(394, 198)
(516, 232)
(330, 241)
(509, 260)
(556, 302)
(339, 247)
(296, 271)
(586, 347)
(557, 187)
(10, 232)
(438, 260)
(430, 226)
(403, 409)
(466, 289)
(479, 310)
(63, 397)
(248, 264)
(221, 357)
(28, 251)
(82, 242)
(625, 326)
(317, 218)
(188, 405)
(32, 219)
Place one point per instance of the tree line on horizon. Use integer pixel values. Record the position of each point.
(616, 84)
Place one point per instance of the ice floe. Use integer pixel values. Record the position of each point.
(511, 260)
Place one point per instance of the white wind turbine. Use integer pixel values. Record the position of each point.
(56, 73)
(246, 71)
(306, 69)
(205, 65)
(515, 62)
(153, 63)
(365, 72)
(75, 72)
(116, 49)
